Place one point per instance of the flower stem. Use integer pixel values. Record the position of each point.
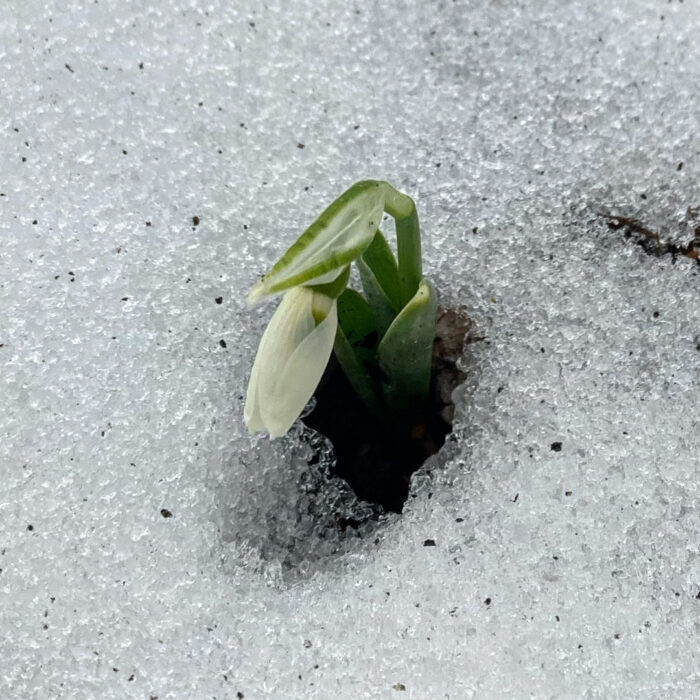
(402, 208)
(409, 249)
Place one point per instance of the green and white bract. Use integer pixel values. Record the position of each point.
(334, 240)
(383, 341)
(293, 353)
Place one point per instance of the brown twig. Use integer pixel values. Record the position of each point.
(651, 241)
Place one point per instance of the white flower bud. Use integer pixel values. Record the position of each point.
(291, 359)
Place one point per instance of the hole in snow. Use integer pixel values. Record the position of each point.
(377, 462)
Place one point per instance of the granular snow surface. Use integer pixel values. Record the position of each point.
(156, 158)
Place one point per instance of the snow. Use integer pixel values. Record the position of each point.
(149, 547)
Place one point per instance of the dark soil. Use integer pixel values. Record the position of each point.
(375, 459)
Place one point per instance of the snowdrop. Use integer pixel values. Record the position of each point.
(382, 340)
(293, 353)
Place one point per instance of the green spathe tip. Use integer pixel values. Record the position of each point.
(333, 241)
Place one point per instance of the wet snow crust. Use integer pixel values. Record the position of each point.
(155, 159)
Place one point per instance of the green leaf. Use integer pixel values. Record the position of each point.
(355, 318)
(356, 346)
(357, 372)
(380, 281)
(380, 259)
(381, 307)
(406, 351)
(334, 240)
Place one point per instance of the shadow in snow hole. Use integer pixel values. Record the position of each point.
(377, 462)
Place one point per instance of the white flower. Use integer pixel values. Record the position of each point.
(292, 356)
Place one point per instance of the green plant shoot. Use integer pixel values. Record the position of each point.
(382, 339)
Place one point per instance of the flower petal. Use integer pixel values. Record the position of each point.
(284, 394)
(290, 324)
(251, 410)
